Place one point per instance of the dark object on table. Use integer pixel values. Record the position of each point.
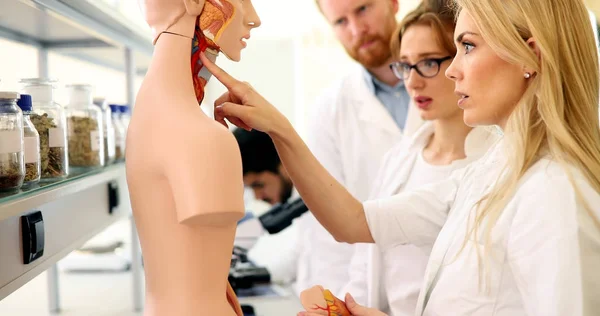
(243, 274)
(281, 216)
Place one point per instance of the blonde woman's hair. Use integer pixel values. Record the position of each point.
(558, 113)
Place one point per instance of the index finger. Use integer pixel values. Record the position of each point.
(226, 79)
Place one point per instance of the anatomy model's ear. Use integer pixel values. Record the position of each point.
(194, 7)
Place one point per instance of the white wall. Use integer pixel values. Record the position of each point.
(16, 61)
(290, 59)
(268, 65)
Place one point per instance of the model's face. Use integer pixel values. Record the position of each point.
(237, 31)
(488, 86)
(432, 93)
(269, 187)
(363, 27)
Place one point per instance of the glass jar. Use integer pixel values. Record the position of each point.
(109, 131)
(50, 121)
(86, 130)
(125, 117)
(31, 144)
(12, 166)
(119, 133)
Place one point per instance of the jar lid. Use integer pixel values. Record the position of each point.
(101, 102)
(9, 95)
(25, 103)
(80, 94)
(38, 81)
(115, 108)
(124, 108)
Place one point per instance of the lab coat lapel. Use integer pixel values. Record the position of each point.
(370, 109)
(398, 169)
(395, 178)
(479, 183)
(403, 163)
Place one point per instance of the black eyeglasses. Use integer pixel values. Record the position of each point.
(427, 68)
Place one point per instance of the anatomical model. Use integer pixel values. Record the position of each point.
(184, 169)
(321, 301)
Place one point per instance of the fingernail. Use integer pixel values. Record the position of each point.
(349, 298)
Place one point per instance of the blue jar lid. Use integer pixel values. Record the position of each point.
(115, 108)
(25, 103)
(124, 108)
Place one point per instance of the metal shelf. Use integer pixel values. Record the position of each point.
(76, 208)
(73, 210)
(84, 29)
(14, 204)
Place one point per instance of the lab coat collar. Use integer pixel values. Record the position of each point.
(477, 143)
(368, 107)
(373, 83)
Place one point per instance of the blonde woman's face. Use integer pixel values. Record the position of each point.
(488, 87)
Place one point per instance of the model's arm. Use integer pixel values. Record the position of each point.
(206, 181)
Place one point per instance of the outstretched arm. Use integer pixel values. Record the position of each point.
(335, 208)
(412, 217)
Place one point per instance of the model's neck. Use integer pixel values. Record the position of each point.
(171, 64)
(175, 66)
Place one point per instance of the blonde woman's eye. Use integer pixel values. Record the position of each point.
(468, 47)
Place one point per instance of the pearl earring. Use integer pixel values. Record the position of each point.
(527, 75)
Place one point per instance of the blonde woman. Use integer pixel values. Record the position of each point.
(517, 232)
(424, 46)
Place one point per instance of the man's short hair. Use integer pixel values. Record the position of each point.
(258, 151)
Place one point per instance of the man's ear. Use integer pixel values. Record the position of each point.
(194, 7)
(395, 6)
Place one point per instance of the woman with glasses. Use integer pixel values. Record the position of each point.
(516, 232)
(391, 280)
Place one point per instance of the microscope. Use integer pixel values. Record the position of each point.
(244, 274)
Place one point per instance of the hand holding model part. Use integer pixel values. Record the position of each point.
(242, 105)
(321, 302)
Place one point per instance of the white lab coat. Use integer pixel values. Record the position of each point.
(349, 134)
(545, 246)
(366, 269)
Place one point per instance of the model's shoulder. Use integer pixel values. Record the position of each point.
(204, 136)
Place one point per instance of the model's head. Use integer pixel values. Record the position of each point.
(226, 22)
(262, 168)
(531, 67)
(363, 27)
(423, 47)
(166, 15)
